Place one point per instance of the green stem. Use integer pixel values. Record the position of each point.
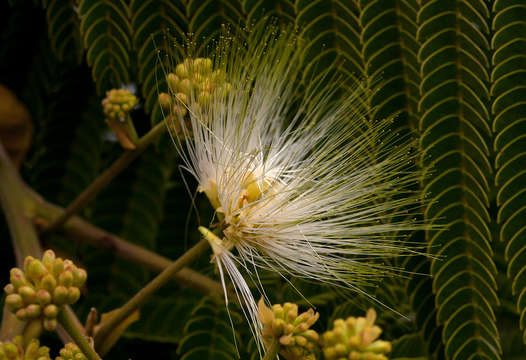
(106, 177)
(272, 350)
(16, 205)
(135, 302)
(77, 335)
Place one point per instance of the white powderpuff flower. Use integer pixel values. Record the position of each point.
(298, 183)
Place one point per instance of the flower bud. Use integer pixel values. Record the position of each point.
(9, 289)
(165, 101)
(185, 86)
(173, 82)
(21, 314)
(17, 278)
(66, 278)
(35, 270)
(33, 311)
(60, 295)
(28, 294)
(43, 297)
(355, 338)
(292, 331)
(11, 350)
(80, 276)
(73, 295)
(203, 65)
(48, 282)
(51, 311)
(58, 267)
(50, 324)
(14, 302)
(182, 70)
(71, 352)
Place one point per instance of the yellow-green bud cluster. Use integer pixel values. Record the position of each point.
(42, 287)
(71, 352)
(355, 339)
(117, 103)
(193, 77)
(15, 350)
(282, 322)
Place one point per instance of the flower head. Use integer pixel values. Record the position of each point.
(297, 184)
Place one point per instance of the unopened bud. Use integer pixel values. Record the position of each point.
(73, 295)
(165, 101)
(11, 350)
(66, 278)
(21, 314)
(33, 311)
(17, 278)
(14, 302)
(43, 297)
(28, 294)
(50, 324)
(48, 282)
(60, 295)
(9, 289)
(184, 86)
(35, 270)
(48, 259)
(203, 65)
(173, 82)
(80, 276)
(51, 311)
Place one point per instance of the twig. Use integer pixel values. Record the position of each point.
(106, 177)
(81, 230)
(76, 335)
(136, 301)
(16, 205)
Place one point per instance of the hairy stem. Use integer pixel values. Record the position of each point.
(106, 177)
(81, 230)
(136, 301)
(76, 335)
(272, 350)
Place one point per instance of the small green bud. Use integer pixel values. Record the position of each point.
(173, 82)
(66, 278)
(79, 277)
(185, 86)
(48, 259)
(43, 297)
(17, 278)
(50, 324)
(48, 282)
(9, 289)
(71, 352)
(73, 295)
(11, 350)
(203, 65)
(14, 302)
(58, 267)
(181, 70)
(51, 311)
(165, 101)
(35, 270)
(60, 295)
(33, 311)
(28, 294)
(21, 314)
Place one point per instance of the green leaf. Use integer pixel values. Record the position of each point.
(106, 31)
(332, 31)
(206, 18)
(63, 29)
(455, 156)
(508, 90)
(208, 334)
(159, 29)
